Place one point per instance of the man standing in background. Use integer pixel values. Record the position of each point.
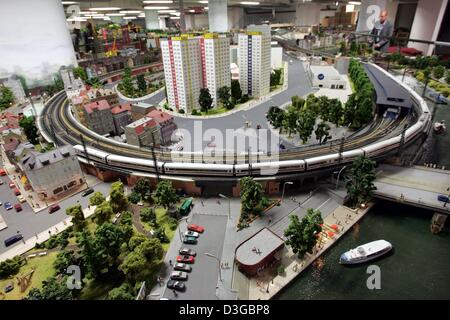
(383, 28)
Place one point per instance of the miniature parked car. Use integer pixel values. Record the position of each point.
(190, 240)
(179, 275)
(9, 287)
(187, 252)
(443, 198)
(18, 207)
(191, 234)
(176, 285)
(87, 192)
(185, 259)
(17, 192)
(2, 172)
(53, 208)
(196, 228)
(8, 206)
(11, 185)
(1, 182)
(21, 199)
(182, 267)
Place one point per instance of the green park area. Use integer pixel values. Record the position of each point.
(121, 245)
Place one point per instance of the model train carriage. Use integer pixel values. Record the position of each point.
(94, 154)
(137, 164)
(275, 167)
(197, 169)
(322, 161)
(379, 148)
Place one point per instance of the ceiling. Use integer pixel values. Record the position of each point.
(193, 4)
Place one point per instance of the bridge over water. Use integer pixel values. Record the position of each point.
(416, 186)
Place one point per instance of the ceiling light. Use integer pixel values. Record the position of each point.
(249, 3)
(356, 3)
(115, 14)
(131, 11)
(163, 17)
(192, 10)
(68, 2)
(78, 19)
(129, 18)
(155, 8)
(157, 1)
(87, 12)
(104, 9)
(175, 14)
(204, 2)
(167, 11)
(174, 18)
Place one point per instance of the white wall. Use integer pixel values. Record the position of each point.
(218, 15)
(34, 39)
(427, 22)
(201, 21)
(307, 14)
(276, 57)
(235, 18)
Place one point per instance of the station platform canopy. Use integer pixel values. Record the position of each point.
(389, 93)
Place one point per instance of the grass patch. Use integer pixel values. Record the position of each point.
(163, 220)
(352, 85)
(43, 269)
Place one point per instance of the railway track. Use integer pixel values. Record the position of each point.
(58, 125)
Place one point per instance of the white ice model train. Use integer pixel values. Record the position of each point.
(268, 166)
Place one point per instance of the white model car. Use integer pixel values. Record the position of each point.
(191, 234)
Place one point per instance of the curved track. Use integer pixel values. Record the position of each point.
(58, 124)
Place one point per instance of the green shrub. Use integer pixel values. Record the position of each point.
(160, 234)
(194, 112)
(173, 223)
(10, 267)
(181, 111)
(51, 243)
(134, 197)
(148, 215)
(280, 269)
(39, 245)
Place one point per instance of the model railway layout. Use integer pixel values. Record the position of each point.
(59, 125)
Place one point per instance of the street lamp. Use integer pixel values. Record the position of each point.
(229, 204)
(284, 186)
(179, 227)
(218, 262)
(445, 202)
(339, 174)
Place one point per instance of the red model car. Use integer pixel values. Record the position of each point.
(12, 185)
(17, 192)
(18, 207)
(185, 259)
(196, 228)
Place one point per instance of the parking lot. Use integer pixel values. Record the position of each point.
(202, 280)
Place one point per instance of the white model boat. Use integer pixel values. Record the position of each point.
(365, 252)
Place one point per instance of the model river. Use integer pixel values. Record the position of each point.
(418, 268)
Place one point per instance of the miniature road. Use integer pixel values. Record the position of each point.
(29, 223)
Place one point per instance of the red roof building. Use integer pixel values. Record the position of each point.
(143, 133)
(166, 124)
(98, 117)
(121, 117)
